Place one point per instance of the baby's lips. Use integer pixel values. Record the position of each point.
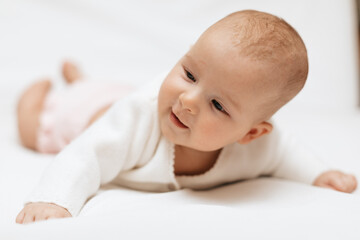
(177, 121)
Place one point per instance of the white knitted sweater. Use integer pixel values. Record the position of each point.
(126, 147)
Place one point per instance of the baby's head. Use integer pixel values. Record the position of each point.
(235, 77)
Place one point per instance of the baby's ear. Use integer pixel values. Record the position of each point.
(256, 132)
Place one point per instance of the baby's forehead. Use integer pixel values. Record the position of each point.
(226, 63)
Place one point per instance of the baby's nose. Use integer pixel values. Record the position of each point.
(189, 102)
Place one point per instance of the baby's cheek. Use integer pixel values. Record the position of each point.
(169, 91)
(211, 136)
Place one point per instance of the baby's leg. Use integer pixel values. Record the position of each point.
(71, 72)
(28, 112)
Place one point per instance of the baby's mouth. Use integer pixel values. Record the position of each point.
(176, 121)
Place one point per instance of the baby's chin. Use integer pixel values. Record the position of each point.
(201, 146)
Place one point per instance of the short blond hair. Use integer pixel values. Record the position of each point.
(265, 38)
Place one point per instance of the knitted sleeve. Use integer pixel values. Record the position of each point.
(121, 140)
(295, 160)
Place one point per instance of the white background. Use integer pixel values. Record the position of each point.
(133, 41)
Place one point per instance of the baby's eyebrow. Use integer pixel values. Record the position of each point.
(196, 62)
(189, 57)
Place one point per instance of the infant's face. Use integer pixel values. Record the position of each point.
(208, 100)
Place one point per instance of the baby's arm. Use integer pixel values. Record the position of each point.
(296, 162)
(115, 143)
(41, 211)
(336, 180)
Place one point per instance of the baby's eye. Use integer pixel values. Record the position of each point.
(218, 106)
(190, 76)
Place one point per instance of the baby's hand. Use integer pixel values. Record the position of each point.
(33, 212)
(336, 180)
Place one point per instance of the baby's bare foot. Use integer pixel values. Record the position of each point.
(71, 72)
(28, 111)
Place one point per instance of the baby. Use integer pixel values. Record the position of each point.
(208, 122)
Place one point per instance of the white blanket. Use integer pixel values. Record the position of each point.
(134, 41)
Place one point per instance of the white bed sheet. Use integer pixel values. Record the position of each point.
(134, 41)
(257, 209)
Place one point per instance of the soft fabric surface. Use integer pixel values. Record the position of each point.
(258, 209)
(132, 41)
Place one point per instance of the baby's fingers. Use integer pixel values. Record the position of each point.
(25, 217)
(28, 218)
(20, 217)
(351, 183)
(345, 183)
